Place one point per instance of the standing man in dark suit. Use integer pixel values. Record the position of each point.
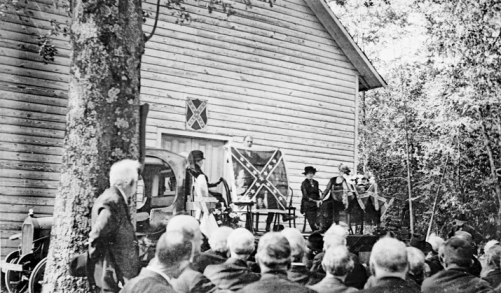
(389, 266)
(311, 200)
(274, 259)
(234, 274)
(113, 246)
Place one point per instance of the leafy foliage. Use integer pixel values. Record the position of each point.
(441, 60)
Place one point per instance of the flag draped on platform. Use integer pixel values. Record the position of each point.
(262, 175)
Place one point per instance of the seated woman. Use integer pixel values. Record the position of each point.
(196, 160)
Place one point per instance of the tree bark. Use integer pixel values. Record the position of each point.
(102, 124)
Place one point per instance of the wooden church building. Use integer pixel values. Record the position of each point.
(288, 74)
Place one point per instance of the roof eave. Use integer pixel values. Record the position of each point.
(368, 76)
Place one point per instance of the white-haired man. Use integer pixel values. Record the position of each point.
(336, 236)
(234, 274)
(417, 266)
(274, 259)
(337, 264)
(298, 272)
(218, 252)
(389, 266)
(173, 253)
(190, 280)
(112, 240)
(432, 259)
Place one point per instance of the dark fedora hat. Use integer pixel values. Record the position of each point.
(316, 241)
(461, 217)
(309, 169)
(197, 155)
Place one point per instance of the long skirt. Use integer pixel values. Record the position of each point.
(329, 213)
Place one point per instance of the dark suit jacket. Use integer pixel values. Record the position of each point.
(301, 275)
(310, 194)
(148, 282)
(113, 240)
(331, 284)
(209, 257)
(233, 274)
(454, 280)
(393, 285)
(191, 281)
(275, 282)
(493, 278)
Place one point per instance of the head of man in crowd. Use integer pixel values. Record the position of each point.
(124, 175)
(490, 244)
(219, 239)
(248, 141)
(274, 253)
(241, 243)
(435, 242)
(389, 259)
(297, 243)
(173, 253)
(457, 253)
(338, 262)
(415, 257)
(337, 230)
(188, 226)
(461, 219)
(491, 260)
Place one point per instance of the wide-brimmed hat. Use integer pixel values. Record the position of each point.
(344, 169)
(461, 217)
(309, 169)
(197, 155)
(316, 241)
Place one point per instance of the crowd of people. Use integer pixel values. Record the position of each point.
(287, 262)
(280, 261)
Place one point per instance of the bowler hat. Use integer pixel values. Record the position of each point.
(461, 217)
(309, 169)
(197, 155)
(316, 241)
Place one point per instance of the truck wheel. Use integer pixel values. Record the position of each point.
(12, 277)
(36, 278)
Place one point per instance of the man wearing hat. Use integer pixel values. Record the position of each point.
(460, 225)
(457, 258)
(311, 197)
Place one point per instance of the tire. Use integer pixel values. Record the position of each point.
(36, 278)
(28, 264)
(11, 278)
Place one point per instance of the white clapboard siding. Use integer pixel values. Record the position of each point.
(273, 73)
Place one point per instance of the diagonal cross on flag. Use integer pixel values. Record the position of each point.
(261, 178)
(196, 113)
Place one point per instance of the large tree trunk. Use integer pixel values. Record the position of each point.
(102, 123)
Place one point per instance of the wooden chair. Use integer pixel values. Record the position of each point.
(290, 210)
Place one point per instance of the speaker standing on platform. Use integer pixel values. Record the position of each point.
(311, 200)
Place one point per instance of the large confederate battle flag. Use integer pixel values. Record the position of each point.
(260, 174)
